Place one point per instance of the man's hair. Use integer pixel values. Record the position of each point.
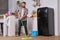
(13, 13)
(24, 2)
(18, 2)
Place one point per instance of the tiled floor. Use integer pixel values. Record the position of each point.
(34, 38)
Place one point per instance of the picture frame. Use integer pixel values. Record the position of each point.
(36, 2)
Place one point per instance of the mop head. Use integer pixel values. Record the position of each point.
(26, 38)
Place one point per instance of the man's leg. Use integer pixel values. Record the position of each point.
(25, 26)
(19, 27)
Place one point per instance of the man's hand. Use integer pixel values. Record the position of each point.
(21, 18)
(24, 16)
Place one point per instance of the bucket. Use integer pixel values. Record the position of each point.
(34, 33)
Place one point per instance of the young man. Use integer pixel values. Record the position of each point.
(22, 15)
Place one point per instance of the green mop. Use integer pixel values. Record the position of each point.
(25, 37)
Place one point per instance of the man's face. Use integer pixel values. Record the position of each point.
(23, 5)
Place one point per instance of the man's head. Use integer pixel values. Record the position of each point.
(23, 4)
(18, 2)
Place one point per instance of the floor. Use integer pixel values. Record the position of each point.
(30, 38)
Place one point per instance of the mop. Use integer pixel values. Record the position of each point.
(25, 37)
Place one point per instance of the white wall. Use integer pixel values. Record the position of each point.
(44, 3)
(59, 17)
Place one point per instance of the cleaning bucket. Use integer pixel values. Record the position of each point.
(34, 33)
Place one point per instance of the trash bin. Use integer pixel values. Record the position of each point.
(34, 33)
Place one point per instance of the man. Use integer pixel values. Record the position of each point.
(22, 15)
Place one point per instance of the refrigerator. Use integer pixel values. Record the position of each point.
(45, 20)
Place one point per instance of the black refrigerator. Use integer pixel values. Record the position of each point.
(45, 21)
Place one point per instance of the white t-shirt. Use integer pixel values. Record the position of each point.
(22, 12)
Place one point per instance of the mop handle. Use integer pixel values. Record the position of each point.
(22, 23)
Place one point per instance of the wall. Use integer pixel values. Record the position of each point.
(44, 3)
(59, 17)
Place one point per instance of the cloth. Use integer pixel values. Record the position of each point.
(9, 26)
